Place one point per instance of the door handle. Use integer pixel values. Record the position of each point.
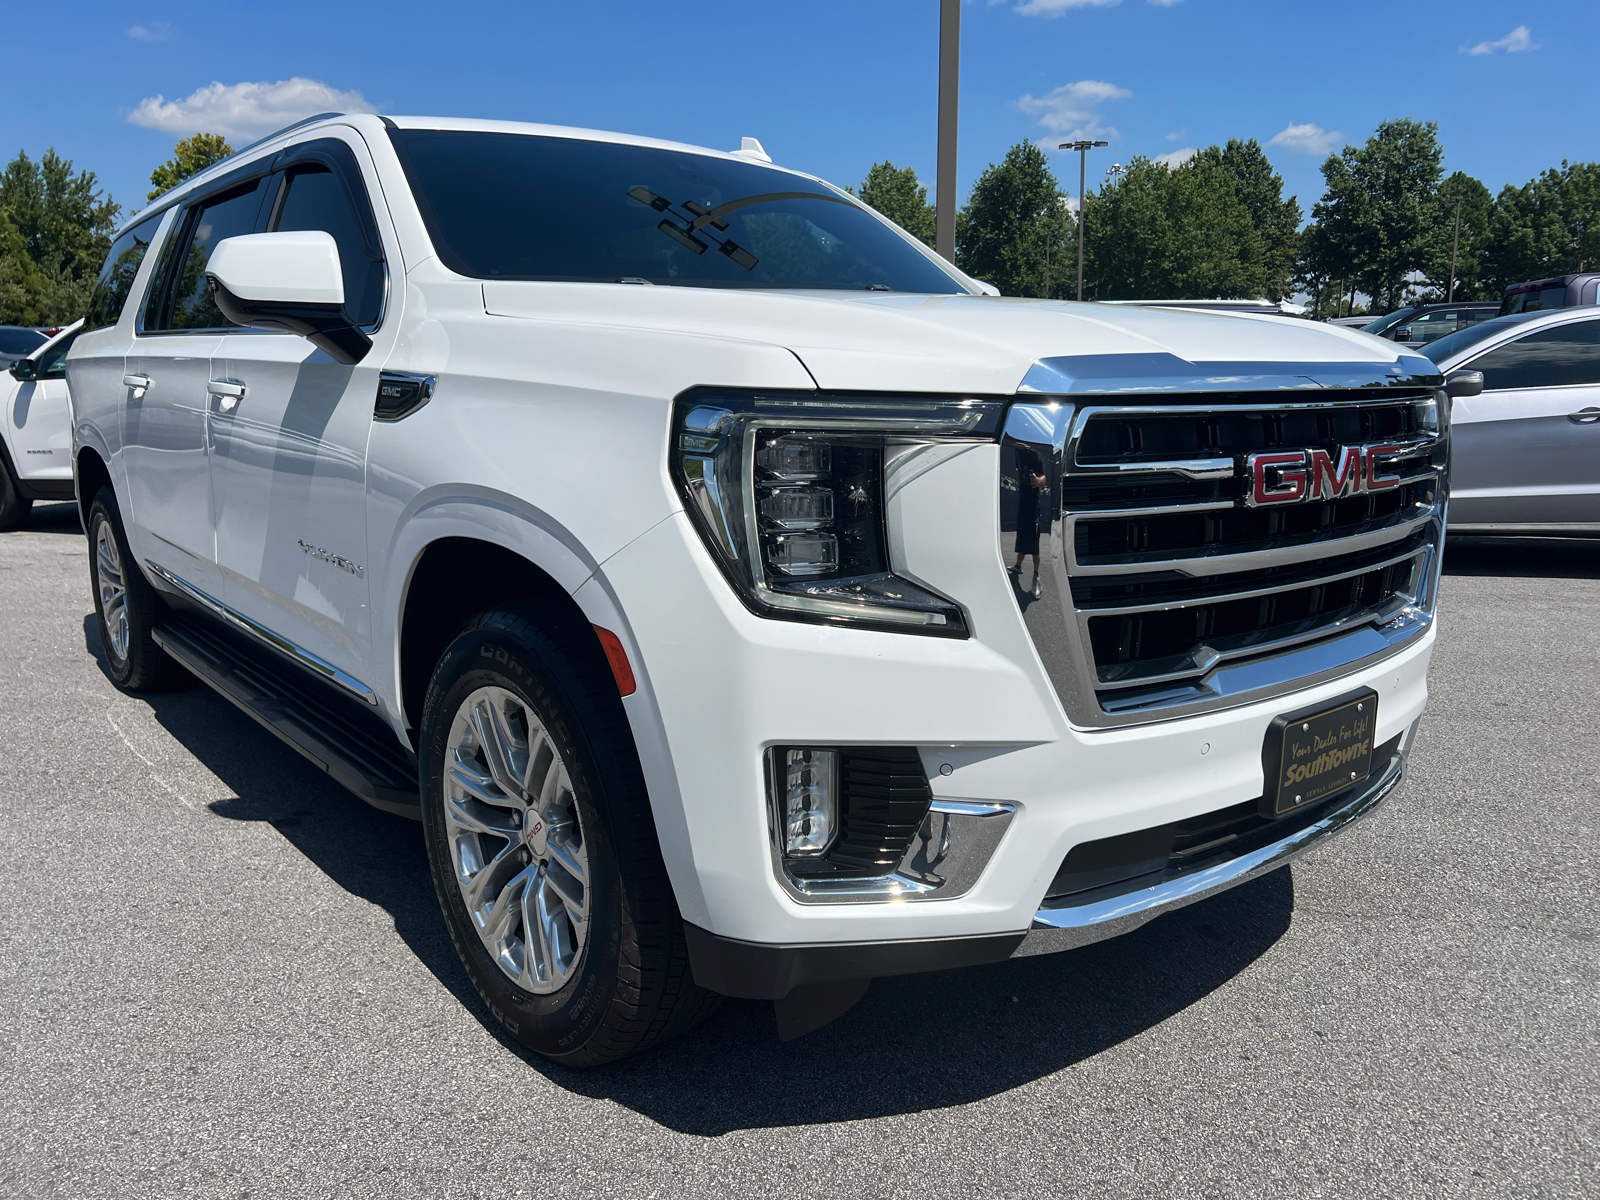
(1584, 416)
(138, 383)
(228, 391)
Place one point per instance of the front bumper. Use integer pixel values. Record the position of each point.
(760, 971)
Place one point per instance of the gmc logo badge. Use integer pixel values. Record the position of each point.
(1295, 476)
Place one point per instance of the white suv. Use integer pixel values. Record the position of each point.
(35, 431)
(745, 601)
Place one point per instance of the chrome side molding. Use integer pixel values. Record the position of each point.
(296, 654)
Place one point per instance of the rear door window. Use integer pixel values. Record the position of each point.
(116, 276)
(1565, 356)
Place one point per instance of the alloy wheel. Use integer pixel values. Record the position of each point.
(516, 841)
(113, 589)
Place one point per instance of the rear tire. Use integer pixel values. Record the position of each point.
(542, 844)
(14, 509)
(126, 607)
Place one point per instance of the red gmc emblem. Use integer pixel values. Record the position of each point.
(1295, 476)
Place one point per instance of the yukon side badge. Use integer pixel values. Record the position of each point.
(337, 560)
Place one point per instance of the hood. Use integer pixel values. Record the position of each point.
(990, 345)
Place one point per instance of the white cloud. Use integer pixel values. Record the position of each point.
(1176, 135)
(1177, 158)
(1520, 38)
(1054, 8)
(1070, 110)
(156, 31)
(1307, 139)
(245, 109)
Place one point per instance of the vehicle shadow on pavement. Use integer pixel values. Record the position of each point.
(54, 518)
(1525, 557)
(913, 1043)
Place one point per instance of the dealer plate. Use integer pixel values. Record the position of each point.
(1312, 754)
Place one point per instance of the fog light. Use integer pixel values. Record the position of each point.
(810, 802)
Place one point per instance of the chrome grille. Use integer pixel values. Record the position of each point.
(1164, 590)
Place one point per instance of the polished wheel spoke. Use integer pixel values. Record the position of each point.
(521, 860)
(112, 588)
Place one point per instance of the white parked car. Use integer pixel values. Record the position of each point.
(36, 431)
(1526, 429)
(641, 518)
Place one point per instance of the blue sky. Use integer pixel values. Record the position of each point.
(829, 86)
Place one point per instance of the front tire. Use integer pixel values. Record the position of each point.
(126, 607)
(14, 509)
(542, 844)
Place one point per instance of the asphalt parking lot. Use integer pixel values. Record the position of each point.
(220, 975)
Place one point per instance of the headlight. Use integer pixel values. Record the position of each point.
(788, 493)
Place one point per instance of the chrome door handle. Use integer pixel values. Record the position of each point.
(137, 382)
(228, 391)
(1584, 416)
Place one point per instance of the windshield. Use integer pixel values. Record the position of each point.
(520, 206)
(1463, 339)
(18, 341)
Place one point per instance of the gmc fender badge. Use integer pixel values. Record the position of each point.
(337, 560)
(1296, 476)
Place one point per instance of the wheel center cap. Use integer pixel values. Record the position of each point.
(535, 835)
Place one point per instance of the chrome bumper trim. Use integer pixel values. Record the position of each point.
(1056, 929)
(947, 855)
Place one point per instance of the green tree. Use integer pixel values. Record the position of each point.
(1477, 210)
(895, 192)
(1379, 214)
(1548, 226)
(1016, 231)
(189, 157)
(1187, 233)
(1259, 188)
(64, 226)
(25, 290)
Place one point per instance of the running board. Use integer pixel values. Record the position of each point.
(350, 743)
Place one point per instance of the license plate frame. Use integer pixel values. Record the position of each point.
(1319, 751)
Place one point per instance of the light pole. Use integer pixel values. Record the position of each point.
(1450, 296)
(944, 185)
(1082, 146)
(1115, 172)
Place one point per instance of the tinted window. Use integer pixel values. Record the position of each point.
(1538, 300)
(514, 206)
(53, 362)
(316, 199)
(1385, 323)
(1561, 357)
(20, 341)
(116, 277)
(190, 305)
(1463, 339)
(1430, 326)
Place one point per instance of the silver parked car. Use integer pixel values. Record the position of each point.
(1525, 440)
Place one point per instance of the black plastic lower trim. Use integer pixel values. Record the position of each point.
(46, 489)
(763, 971)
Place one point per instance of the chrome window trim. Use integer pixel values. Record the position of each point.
(296, 654)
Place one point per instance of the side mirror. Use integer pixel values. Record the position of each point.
(1461, 384)
(1403, 334)
(25, 369)
(288, 281)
